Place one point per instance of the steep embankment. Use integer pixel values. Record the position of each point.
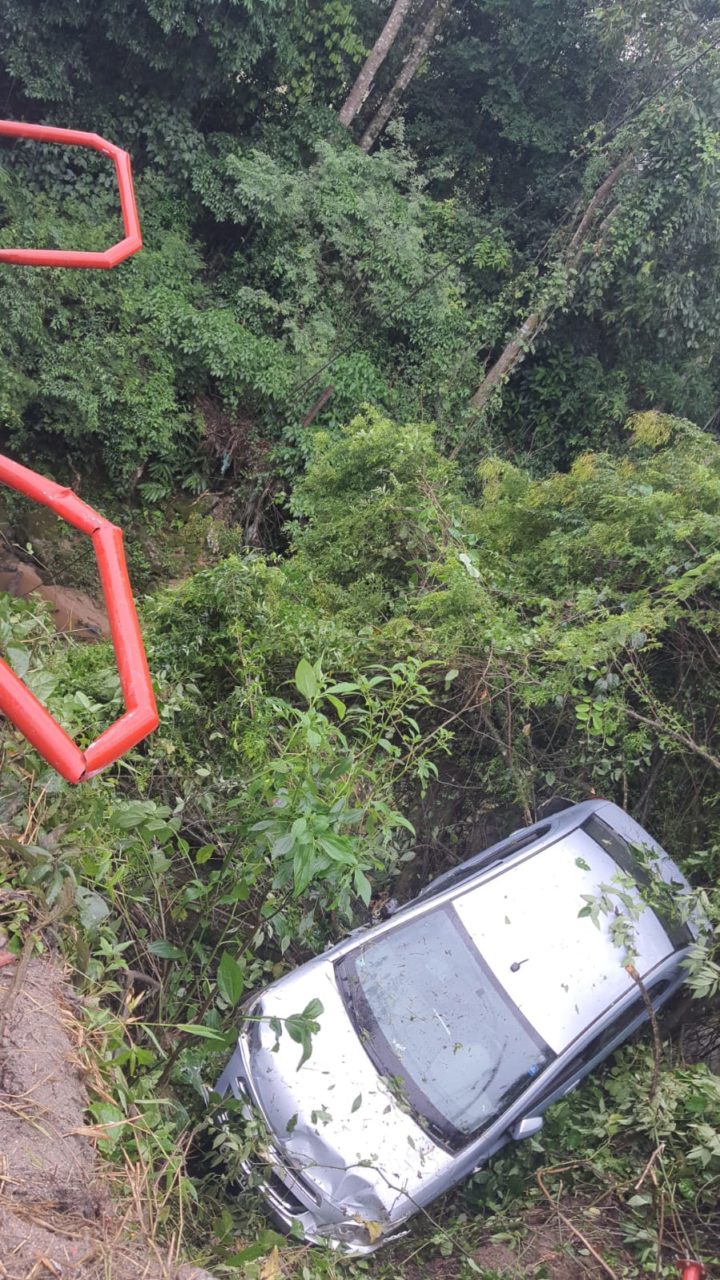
(57, 1213)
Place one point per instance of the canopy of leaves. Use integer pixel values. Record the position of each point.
(281, 262)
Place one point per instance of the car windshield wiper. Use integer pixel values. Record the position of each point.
(431, 1127)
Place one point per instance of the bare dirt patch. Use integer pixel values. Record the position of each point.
(74, 612)
(57, 1215)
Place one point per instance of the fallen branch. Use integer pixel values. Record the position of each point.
(570, 1225)
(319, 404)
(657, 1152)
(657, 1048)
(678, 735)
(518, 346)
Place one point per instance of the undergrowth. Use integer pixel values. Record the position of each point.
(416, 677)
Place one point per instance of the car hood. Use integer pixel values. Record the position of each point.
(335, 1118)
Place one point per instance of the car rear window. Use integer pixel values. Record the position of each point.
(621, 853)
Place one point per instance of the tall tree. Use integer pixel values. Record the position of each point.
(373, 62)
(429, 19)
(515, 349)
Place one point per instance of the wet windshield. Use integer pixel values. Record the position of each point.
(434, 1020)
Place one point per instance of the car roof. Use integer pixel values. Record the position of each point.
(570, 971)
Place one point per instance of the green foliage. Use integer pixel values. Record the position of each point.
(85, 363)
(603, 1136)
(560, 628)
(280, 260)
(299, 314)
(372, 501)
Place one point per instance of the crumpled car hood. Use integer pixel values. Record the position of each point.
(335, 1118)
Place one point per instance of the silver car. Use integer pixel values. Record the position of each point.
(448, 1029)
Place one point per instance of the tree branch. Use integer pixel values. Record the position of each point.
(678, 735)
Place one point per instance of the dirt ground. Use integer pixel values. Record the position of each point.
(57, 1216)
(74, 612)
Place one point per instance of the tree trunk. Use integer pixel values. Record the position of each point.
(431, 15)
(319, 404)
(516, 348)
(504, 365)
(373, 62)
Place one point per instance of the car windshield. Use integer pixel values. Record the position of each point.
(437, 1024)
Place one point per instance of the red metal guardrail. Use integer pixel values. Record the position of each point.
(22, 707)
(691, 1270)
(71, 257)
(16, 701)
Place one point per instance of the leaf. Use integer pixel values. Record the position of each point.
(266, 1241)
(204, 1033)
(19, 659)
(313, 1010)
(362, 886)
(92, 908)
(400, 821)
(42, 683)
(338, 848)
(166, 950)
(111, 1122)
(292, 1123)
(306, 680)
(230, 981)
(270, 1269)
(468, 565)
(300, 1034)
(582, 864)
(303, 868)
(283, 845)
(357, 1103)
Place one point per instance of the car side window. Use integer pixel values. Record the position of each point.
(479, 861)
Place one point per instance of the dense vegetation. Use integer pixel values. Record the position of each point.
(452, 391)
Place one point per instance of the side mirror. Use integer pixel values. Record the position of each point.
(527, 1127)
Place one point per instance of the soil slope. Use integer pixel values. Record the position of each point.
(57, 1217)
